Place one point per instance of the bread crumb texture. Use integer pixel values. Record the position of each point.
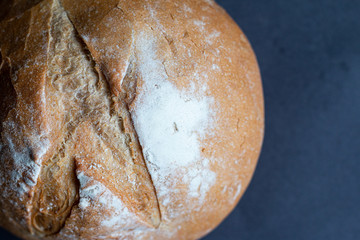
(124, 119)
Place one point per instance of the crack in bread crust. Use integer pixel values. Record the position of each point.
(120, 111)
(13, 8)
(82, 95)
(7, 91)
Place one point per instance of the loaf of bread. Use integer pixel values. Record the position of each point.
(124, 119)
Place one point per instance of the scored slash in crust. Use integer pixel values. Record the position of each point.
(88, 119)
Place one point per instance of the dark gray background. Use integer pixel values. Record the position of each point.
(307, 183)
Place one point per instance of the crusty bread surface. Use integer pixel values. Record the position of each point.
(124, 119)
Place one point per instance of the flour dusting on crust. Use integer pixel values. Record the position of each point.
(93, 194)
(170, 124)
(26, 170)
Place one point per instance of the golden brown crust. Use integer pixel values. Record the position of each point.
(18, 41)
(78, 75)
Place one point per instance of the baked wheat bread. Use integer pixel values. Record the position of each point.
(124, 119)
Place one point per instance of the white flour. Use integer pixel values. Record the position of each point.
(170, 125)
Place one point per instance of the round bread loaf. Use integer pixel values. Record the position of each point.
(124, 119)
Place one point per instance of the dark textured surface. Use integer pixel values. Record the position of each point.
(307, 184)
